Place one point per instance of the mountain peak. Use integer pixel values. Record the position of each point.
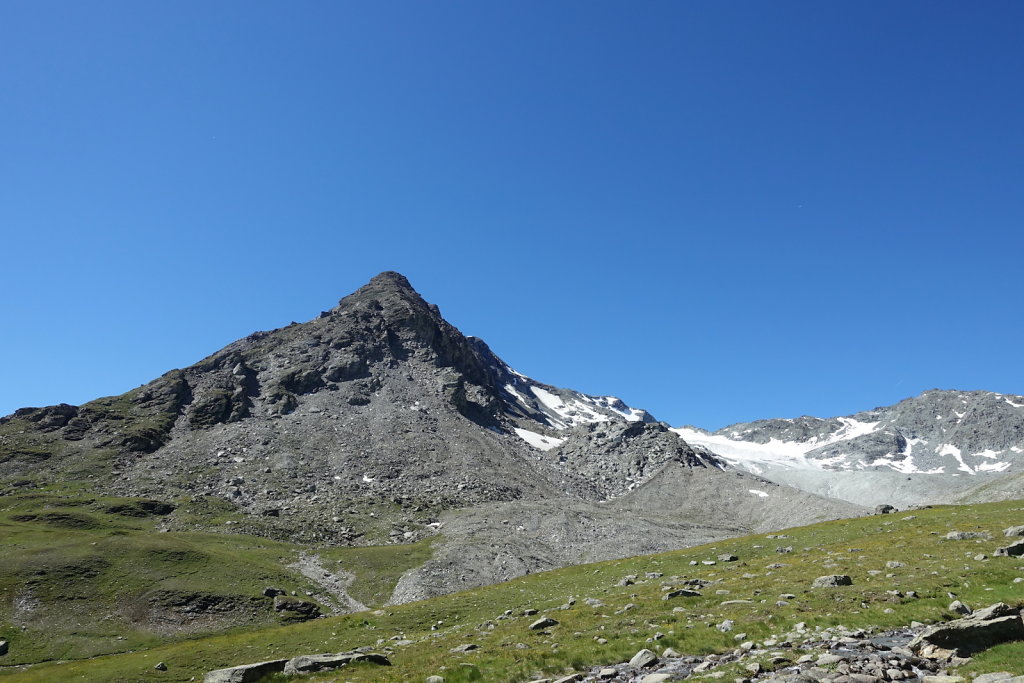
(388, 282)
(390, 278)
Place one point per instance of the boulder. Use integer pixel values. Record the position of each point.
(999, 609)
(304, 664)
(726, 557)
(680, 593)
(4, 647)
(832, 580)
(995, 624)
(542, 623)
(1014, 531)
(1013, 550)
(435, 679)
(884, 509)
(643, 659)
(958, 607)
(993, 677)
(246, 673)
(966, 535)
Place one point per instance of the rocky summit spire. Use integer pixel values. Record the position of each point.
(385, 283)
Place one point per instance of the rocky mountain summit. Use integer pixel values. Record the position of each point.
(378, 422)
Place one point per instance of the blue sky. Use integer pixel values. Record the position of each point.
(717, 211)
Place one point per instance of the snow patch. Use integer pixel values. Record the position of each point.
(544, 443)
(519, 397)
(760, 494)
(950, 449)
(993, 466)
(1015, 405)
(779, 453)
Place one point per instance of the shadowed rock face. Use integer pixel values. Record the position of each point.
(372, 422)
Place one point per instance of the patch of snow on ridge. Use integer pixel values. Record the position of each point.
(519, 397)
(544, 443)
(782, 453)
(993, 467)
(788, 454)
(950, 449)
(987, 453)
(1015, 405)
(579, 410)
(760, 494)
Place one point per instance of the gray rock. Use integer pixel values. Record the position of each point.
(1015, 549)
(994, 611)
(4, 647)
(966, 535)
(643, 659)
(542, 623)
(978, 632)
(726, 557)
(325, 662)
(832, 580)
(958, 607)
(884, 509)
(160, 666)
(245, 673)
(571, 678)
(605, 674)
(1012, 531)
(680, 593)
(466, 647)
(993, 677)
(656, 678)
(434, 679)
(271, 592)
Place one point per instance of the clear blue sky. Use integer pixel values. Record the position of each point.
(718, 211)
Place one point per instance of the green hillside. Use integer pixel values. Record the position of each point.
(768, 591)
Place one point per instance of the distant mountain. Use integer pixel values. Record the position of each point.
(378, 422)
(919, 450)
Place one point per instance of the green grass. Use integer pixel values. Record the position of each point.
(82, 576)
(510, 651)
(377, 568)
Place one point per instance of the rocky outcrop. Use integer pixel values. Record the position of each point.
(245, 673)
(832, 580)
(981, 630)
(1015, 549)
(304, 664)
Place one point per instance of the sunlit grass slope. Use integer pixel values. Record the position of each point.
(764, 592)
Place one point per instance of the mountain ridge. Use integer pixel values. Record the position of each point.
(378, 422)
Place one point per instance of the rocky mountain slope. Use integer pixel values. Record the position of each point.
(919, 450)
(378, 422)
